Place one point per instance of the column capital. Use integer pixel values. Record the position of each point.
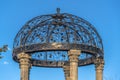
(25, 65)
(74, 58)
(99, 64)
(74, 52)
(73, 55)
(23, 55)
(24, 59)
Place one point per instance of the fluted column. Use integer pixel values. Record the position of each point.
(73, 58)
(24, 62)
(99, 65)
(66, 69)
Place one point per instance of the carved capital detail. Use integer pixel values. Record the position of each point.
(99, 64)
(24, 60)
(73, 55)
(23, 55)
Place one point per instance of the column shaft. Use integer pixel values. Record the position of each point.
(99, 64)
(24, 61)
(74, 71)
(73, 57)
(67, 72)
(99, 75)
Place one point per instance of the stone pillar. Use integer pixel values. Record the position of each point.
(73, 58)
(66, 69)
(99, 65)
(24, 62)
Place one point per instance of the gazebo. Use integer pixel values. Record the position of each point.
(59, 40)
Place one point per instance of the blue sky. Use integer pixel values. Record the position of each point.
(103, 14)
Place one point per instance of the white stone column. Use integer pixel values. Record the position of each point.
(24, 62)
(73, 58)
(99, 65)
(66, 69)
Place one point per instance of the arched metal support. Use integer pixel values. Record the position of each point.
(25, 65)
(99, 65)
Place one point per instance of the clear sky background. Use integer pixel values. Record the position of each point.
(103, 14)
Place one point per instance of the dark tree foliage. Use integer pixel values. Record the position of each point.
(3, 49)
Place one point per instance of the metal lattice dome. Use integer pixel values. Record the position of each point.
(47, 38)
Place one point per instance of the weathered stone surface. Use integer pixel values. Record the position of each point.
(73, 58)
(24, 61)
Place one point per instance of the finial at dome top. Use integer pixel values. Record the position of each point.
(58, 10)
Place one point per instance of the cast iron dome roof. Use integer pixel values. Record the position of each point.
(54, 34)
